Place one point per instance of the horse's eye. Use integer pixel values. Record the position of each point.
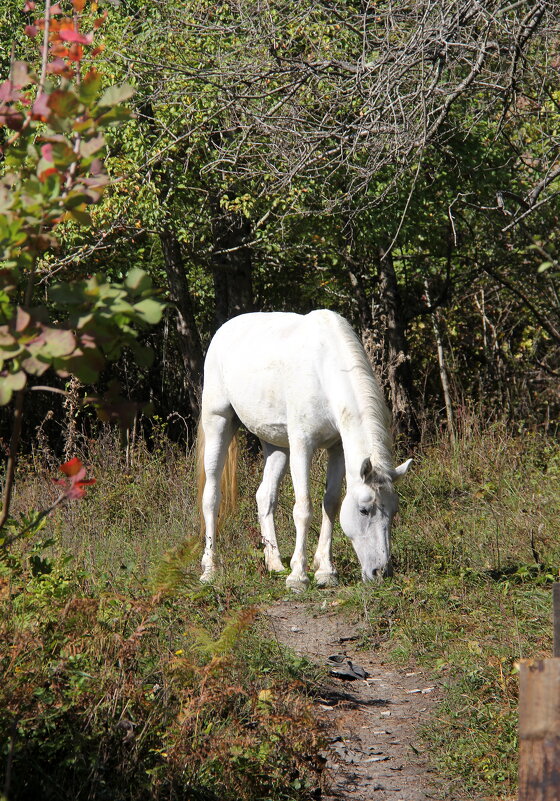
(363, 511)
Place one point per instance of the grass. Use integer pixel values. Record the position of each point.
(476, 552)
(109, 626)
(123, 677)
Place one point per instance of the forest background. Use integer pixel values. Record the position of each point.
(394, 161)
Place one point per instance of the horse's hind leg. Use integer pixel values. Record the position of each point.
(325, 574)
(275, 464)
(218, 434)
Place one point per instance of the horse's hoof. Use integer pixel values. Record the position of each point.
(297, 584)
(326, 579)
(275, 567)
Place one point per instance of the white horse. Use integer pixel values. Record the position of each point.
(301, 383)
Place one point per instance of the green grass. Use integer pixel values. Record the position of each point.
(104, 625)
(113, 624)
(476, 551)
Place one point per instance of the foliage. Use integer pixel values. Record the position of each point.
(110, 690)
(53, 171)
(475, 553)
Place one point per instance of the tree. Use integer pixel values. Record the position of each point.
(52, 172)
(279, 150)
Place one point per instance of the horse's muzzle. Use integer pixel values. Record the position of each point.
(376, 576)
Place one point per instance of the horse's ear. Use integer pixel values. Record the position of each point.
(371, 476)
(401, 470)
(366, 471)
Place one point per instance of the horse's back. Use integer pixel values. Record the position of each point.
(267, 367)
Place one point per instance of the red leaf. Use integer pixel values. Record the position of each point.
(29, 6)
(62, 103)
(72, 35)
(59, 67)
(31, 31)
(11, 119)
(100, 20)
(22, 319)
(45, 174)
(7, 91)
(78, 5)
(56, 9)
(73, 467)
(41, 110)
(76, 52)
(75, 471)
(47, 152)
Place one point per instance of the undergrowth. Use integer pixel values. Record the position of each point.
(476, 551)
(124, 678)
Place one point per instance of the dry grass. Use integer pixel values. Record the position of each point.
(124, 631)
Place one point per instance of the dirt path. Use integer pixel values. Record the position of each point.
(372, 723)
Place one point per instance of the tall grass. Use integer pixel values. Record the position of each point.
(476, 551)
(118, 664)
(123, 677)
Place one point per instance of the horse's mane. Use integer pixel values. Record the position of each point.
(370, 397)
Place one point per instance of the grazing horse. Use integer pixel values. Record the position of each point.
(301, 383)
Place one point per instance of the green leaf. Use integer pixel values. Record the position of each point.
(66, 294)
(81, 216)
(144, 356)
(150, 310)
(89, 87)
(86, 366)
(10, 383)
(78, 198)
(115, 95)
(138, 280)
(116, 114)
(59, 342)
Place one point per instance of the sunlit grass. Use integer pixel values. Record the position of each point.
(475, 550)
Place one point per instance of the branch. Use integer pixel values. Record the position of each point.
(533, 195)
(546, 324)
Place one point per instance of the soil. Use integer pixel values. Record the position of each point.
(372, 724)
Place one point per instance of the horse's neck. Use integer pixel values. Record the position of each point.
(362, 428)
(357, 440)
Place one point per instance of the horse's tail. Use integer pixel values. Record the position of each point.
(228, 503)
(200, 474)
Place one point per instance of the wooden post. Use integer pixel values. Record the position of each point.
(556, 616)
(539, 720)
(539, 730)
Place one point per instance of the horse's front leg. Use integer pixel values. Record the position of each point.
(218, 434)
(325, 573)
(275, 464)
(300, 465)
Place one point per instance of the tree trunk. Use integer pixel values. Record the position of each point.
(443, 372)
(190, 344)
(399, 374)
(232, 266)
(189, 338)
(371, 340)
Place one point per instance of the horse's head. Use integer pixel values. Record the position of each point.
(366, 516)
